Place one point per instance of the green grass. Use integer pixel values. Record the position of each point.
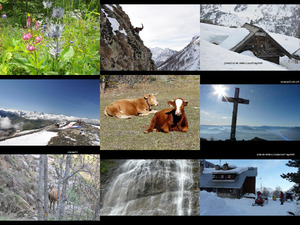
(128, 134)
(80, 54)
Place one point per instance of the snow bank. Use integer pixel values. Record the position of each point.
(211, 204)
(39, 138)
(214, 57)
(209, 33)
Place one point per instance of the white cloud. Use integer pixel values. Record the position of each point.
(204, 112)
(166, 26)
(5, 123)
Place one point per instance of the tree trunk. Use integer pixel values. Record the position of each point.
(64, 188)
(39, 189)
(97, 210)
(45, 187)
(58, 184)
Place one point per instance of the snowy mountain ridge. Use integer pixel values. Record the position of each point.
(34, 115)
(186, 59)
(277, 18)
(160, 55)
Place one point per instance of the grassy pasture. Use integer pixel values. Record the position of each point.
(128, 134)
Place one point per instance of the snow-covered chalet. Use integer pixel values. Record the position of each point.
(262, 45)
(228, 181)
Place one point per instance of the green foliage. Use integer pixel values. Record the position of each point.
(293, 177)
(81, 48)
(106, 164)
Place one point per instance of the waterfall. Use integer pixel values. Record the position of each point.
(153, 187)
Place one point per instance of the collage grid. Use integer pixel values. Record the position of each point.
(141, 181)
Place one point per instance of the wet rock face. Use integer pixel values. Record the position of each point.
(121, 48)
(152, 187)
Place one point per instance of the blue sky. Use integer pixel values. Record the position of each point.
(165, 26)
(271, 105)
(269, 171)
(70, 97)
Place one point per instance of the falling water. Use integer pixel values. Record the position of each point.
(153, 187)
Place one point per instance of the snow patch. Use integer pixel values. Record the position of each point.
(211, 204)
(115, 26)
(39, 138)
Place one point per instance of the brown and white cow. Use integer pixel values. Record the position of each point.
(126, 108)
(170, 119)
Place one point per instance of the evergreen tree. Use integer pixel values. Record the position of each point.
(293, 177)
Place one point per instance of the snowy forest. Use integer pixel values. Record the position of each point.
(50, 187)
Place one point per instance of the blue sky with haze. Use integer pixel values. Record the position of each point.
(271, 105)
(70, 97)
(269, 171)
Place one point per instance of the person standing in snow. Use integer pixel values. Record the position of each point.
(281, 198)
(258, 195)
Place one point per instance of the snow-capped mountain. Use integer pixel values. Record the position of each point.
(34, 115)
(160, 55)
(186, 59)
(282, 19)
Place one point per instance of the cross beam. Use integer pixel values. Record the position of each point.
(235, 100)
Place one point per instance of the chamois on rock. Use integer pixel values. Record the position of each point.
(138, 29)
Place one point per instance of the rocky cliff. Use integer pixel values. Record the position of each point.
(121, 46)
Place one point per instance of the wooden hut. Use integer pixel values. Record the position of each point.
(261, 44)
(229, 182)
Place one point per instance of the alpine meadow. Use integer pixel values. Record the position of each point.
(50, 37)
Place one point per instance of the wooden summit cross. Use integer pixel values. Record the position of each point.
(236, 100)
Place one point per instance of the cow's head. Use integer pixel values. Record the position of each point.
(151, 99)
(178, 104)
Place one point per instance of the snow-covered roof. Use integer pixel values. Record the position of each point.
(206, 180)
(215, 57)
(235, 170)
(252, 31)
(235, 38)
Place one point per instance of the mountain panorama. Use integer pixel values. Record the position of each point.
(277, 18)
(34, 115)
(19, 127)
